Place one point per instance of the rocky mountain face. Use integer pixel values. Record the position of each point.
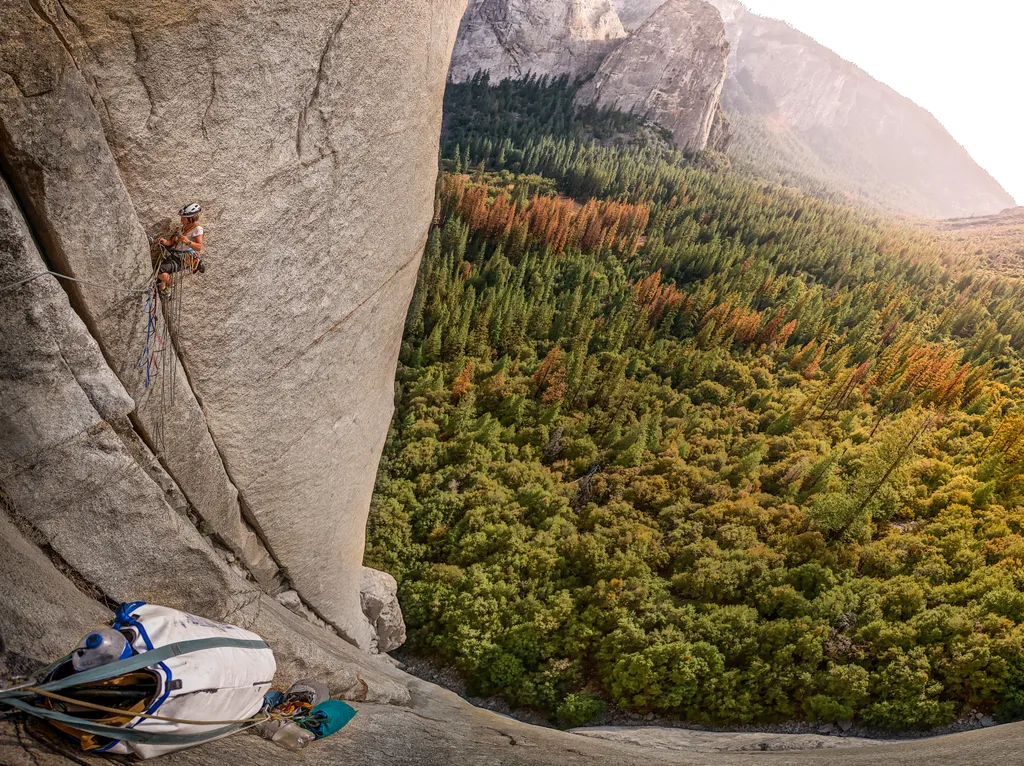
(667, 65)
(245, 469)
(804, 116)
(634, 13)
(514, 38)
(802, 110)
(671, 69)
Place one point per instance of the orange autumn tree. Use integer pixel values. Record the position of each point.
(550, 376)
(655, 297)
(558, 222)
(463, 381)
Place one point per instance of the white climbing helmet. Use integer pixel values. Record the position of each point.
(190, 210)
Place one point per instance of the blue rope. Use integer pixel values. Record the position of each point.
(148, 361)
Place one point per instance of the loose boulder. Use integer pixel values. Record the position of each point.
(378, 592)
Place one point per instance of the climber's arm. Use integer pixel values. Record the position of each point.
(195, 244)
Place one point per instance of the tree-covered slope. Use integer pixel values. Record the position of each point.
(673, 439)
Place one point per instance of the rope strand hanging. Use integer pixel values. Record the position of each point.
(32, 277)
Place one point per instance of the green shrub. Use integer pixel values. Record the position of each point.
(579, 710)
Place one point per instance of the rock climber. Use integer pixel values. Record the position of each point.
(184, 249)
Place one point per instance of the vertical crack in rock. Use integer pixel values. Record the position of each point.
(314, 96)
(45, 18)
(139, 60)
(209, 104)
(131, 421)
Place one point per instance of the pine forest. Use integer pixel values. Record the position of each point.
(677, 440)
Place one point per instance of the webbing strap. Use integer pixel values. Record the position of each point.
(145, 660)
(118, 733)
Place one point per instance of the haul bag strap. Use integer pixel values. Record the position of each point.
(116, 732)
(146, 659)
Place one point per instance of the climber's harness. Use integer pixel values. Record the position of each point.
(174, 261)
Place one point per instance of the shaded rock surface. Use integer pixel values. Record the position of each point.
(670, 70)
(266, 426)
(514, 38)
(721, 131)
(633, 13)
(44, 615)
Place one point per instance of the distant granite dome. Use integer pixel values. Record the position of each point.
(514, 38)
(633, 13)
(670, 70)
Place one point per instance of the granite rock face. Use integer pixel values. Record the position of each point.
(66, 178)
(266, 422)
(664, 62)
(670, 70)
(514, 38)
(633, 13)
(73, 472)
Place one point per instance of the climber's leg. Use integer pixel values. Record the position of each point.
(170, 266)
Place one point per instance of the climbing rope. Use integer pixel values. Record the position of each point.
(179, 299)
(167, 305)
(14, 285)
(154, 342)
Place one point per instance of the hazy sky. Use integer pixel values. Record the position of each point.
(962, 61)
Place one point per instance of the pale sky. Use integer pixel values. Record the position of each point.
(962, 61)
